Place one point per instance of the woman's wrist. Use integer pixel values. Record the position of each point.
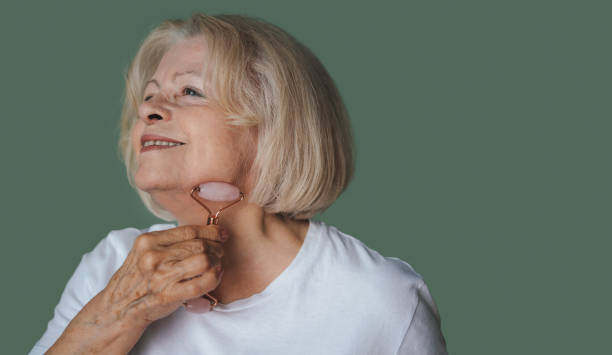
(97, 330)
(79, 341)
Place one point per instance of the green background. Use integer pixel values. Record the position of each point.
(483, 153)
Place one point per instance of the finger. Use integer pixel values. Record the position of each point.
(195, 246)
(184, 270)
(195, 266)
(183, 250)
(196, 287)
(183, 233)
(180, 251)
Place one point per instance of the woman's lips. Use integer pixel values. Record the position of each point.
(155, 142)
(157, 147)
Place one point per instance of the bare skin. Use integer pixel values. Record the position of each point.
(156, 277)
(162, 270)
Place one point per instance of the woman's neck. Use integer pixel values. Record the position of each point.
(259, 248)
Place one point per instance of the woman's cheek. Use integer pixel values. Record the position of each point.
(135, 136)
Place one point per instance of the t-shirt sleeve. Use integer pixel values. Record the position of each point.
(86, 281)
(424, 335)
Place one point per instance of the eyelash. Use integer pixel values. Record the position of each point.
(197, 93)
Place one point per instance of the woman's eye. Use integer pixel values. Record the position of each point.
(186, 91)
(192, 92)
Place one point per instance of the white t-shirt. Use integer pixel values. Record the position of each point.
(336, 297)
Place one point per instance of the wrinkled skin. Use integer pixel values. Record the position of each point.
(162, 270)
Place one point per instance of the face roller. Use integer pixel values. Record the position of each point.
(217, 192)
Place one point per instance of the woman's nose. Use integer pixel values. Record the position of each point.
(154, 111)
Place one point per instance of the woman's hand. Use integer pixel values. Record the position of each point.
(163, 270)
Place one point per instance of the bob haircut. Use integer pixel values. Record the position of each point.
(259, 75)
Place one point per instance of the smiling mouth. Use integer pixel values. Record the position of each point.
(159, 144)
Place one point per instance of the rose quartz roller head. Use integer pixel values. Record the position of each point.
(216, 192)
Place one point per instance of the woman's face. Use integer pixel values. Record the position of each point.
(175, 109)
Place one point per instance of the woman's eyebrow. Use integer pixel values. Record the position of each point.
(193, 72)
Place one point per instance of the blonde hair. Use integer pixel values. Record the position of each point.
(260, 76)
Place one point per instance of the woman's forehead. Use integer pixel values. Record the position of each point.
(183, 58)
(180, 62)
(194, 73)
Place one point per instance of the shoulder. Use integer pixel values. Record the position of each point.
(351, 256)
(383, 292)
(392, 286)
(109, 254)
(90, 276)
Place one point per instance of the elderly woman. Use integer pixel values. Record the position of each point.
(231, 99)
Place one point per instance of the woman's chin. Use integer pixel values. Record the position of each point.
(152, 184)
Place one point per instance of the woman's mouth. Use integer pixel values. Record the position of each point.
(153, 145)
(154, 142)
